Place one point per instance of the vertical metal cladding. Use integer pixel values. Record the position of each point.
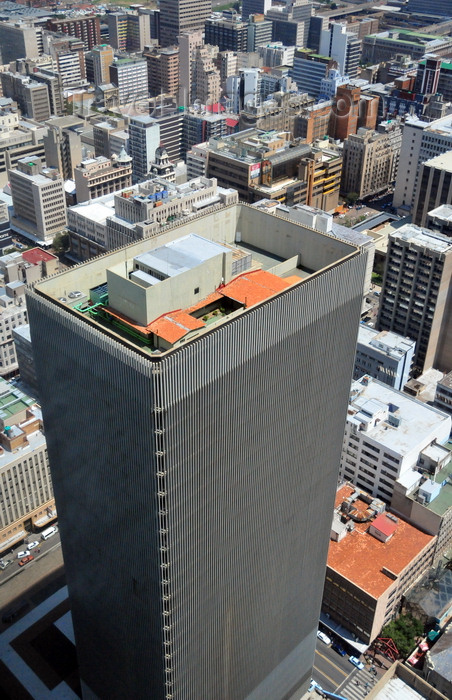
(215, 468)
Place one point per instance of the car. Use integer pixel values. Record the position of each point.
(24, 553)
(32, 545)
(356, 662)
(4, 564)
(26, 560)
(323, 637)
(340, 649)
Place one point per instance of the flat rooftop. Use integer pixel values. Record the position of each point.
(391, 344)
(417, 419)
(423, 237)
(361, 558)
(255, 256)
(442, 161)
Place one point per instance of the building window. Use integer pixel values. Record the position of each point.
(196, 290)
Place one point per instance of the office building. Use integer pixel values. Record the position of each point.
(130, 75)
(86, 28)
(383, 46)
(129, 31)
(188, 43)
(18, 141)
(424, 497)
(25, 360)
(200, 527)
(144, 138)
(13, 313)
(110, 137)
(330, 84)
(38, 200)
(363, 592)
(415, 299)
(29, 266)
(291, 22)
(259, 32)
(386, 435)
(370, 160)
(196, 160)
(443, 395)
(228, 32)
(269, 166)
(353, 109)
(163, 70)
(309, 69)
(26, 491)
(313, 122)
(102, 57)
(180, 16)
(276, 54)
(343, 47)
(255, 7)
(17, 40)
(435, 187)
(95, 177)
(31, 96)
(201, 126)
(69, 57)
(171, 125)
(383, 355)
(63, 145)
(206, 85)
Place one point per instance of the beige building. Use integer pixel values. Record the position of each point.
(63, 145)
(370, 161)
(38, 200)
(373, 559)
(207, 82)
(163, 70)
(13, 313)
(26, 492)
(416, 298)
(102, 57)
(95, 177)
(435, 190)
(188, 43)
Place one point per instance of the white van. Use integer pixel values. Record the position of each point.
(45, 534)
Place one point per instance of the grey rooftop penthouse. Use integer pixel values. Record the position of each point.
(165, 291)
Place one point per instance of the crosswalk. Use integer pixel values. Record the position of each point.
(357, 686)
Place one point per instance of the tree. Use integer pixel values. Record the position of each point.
(61, 243)
(403, 631)
(352, 197)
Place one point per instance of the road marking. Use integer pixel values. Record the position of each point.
(338, 668)
(325, 676)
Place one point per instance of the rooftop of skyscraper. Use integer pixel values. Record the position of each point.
(164, 291)
(423, 237)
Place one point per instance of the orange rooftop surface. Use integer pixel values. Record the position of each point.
(360, 557)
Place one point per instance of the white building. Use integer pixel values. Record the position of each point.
(330, 84)
(39, 201)
(387, 434)
(196, 159)
(420, 141)
(13, 313)
(144, 138)
(385, 355)
(343, 47)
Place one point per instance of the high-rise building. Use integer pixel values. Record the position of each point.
(260, 31)
(144, 138)
(206, 85)
(228, 32)
(416, 299)
(85, 28)
(207, 400)
(343, 47)
(435, 187)
(384, 356)
(31, 96)
(130, 75)
(180, 16)
(26, 492)
(17, 40)
(13, 313)
(163, 70)
(252, 7)
(69, 56)
(188, 43)
(309, 69)
(291, 22)
(129, 31)
(102, 57)
(63, 145)
(38, 199)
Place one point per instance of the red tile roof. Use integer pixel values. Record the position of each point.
(36, 255)
(360, 557)
(385, 525)
(231, 122)
(174, 325)
(252, 287)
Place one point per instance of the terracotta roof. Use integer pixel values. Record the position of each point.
(252, 287)
(36, 255)
(231, 122)
(215, 108)
(360, 558)
(384, 524)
